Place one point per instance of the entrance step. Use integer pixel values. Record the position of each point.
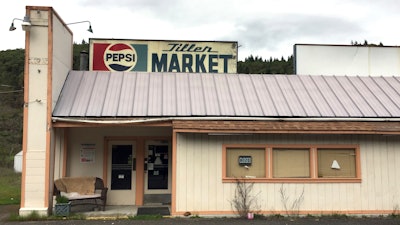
(157, 199)
(162, 211)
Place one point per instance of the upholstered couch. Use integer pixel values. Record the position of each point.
(82, 190)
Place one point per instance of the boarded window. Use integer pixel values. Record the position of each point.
(339, 163)
(291, 163)
(237, 169)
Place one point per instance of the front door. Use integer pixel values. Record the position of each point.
(122, 174)
(157, 172)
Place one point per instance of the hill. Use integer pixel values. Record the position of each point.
(11, 104)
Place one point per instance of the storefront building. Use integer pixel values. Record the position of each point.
(183, 139)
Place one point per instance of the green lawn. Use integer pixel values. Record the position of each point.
(10, 186)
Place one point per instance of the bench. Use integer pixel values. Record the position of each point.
(82, 190)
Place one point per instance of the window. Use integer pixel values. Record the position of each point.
(289, 162)
(336, 162)
(292, 163)
(245, 162)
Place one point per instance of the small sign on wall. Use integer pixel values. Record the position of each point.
(88, 153)
(245, 160)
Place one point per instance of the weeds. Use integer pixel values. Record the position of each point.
(339, 216)
(292, 208)
(33, 216)
(396, 211)
(244, 201)
(277, 216)
(259, 216)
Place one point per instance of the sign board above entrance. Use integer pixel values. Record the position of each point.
(163, 56)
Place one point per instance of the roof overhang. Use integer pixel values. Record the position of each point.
(228, 125)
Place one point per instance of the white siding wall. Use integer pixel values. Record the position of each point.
(62, 57)
(35, 158)
(347, 60)
(199, 175)
(58, 146)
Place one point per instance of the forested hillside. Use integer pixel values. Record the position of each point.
(11, 92)
(11, 103)
(257, 65)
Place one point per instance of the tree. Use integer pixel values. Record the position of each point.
(365, 43)
(78, 48)
(11, 104)
(256, 65)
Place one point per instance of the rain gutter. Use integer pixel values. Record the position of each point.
(163, 119)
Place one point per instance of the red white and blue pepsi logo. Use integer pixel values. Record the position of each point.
(120, 57)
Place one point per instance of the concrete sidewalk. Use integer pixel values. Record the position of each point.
(110, 212)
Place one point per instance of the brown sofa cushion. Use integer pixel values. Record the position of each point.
(81, 185)
(60, 185)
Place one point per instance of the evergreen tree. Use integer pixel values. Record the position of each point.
(256, 65)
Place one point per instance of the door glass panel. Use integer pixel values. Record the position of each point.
(157, 167)
(121, 167)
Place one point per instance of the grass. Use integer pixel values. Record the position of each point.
(10, 187)
(34, 216)
(146, 217)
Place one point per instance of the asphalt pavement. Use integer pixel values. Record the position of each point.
(6, 211)
(223, 221)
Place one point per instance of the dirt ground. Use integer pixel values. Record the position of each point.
(7, 210)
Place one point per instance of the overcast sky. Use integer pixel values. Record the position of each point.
(266, 28)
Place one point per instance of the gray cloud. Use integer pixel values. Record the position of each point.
(263, 25)
(181, 13)
(269, 32)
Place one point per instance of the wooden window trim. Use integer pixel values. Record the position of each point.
(313, 164)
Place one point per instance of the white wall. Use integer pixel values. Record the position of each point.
(200, 188)
(346, 60)
(62, 57)
(36, 105)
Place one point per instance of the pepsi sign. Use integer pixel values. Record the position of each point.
(163, 56)
(120, 57)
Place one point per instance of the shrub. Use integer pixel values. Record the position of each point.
(244, 201)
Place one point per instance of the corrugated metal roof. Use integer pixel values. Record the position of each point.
(130, 94)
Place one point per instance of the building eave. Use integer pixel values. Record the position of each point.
(247, 124)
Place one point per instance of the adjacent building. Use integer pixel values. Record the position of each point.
(346, 60)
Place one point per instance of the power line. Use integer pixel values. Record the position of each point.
(6, 92)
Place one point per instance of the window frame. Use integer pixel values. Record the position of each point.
(313, 164)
